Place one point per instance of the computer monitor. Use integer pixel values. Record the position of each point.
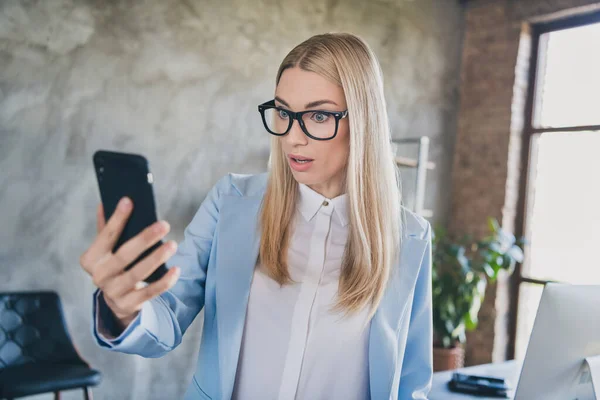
(565, 332)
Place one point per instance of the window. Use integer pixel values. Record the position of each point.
(561, 198)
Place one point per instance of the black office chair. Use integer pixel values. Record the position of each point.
(36, 352)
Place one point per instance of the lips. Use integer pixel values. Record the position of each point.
(300, 163)
(299, 158)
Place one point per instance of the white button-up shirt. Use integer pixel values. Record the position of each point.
(294, 346)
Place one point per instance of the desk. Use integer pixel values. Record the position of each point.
(508, 370)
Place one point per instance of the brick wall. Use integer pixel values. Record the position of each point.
(486, 170)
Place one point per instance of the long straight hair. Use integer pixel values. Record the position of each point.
(372, 180)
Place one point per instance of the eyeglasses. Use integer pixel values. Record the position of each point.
(316, 124)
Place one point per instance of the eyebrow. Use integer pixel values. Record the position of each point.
(312, 104)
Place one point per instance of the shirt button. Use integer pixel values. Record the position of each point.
(325, 203)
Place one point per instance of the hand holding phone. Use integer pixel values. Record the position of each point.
(128, 175)
(128, 248)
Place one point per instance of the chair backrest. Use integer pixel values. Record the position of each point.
(33, 330)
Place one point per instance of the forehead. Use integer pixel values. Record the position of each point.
(298, 88)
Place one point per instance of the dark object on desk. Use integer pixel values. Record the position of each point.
(37, 355)
(478, 385)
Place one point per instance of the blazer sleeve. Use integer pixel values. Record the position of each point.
(417, 367)
(162, 321)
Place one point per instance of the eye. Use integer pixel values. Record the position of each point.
(319, 117)
(282, 114)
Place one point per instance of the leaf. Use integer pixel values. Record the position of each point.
(505, 239)
(499, 261)
(451, 308)
(471, 317)
(449, 326)
(469, 277)
(481, 286)
(489, 271)
(516, 253)
(471, 321)
(494, 246)
(459, 331)
(511, 267)
(493, 224)
(462, 337)
(447, 342)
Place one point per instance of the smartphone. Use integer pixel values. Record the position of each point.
(120, 175)
(478, 385)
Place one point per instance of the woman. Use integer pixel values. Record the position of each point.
(314, 280)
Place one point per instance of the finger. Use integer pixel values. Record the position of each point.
(108, 236)
(130, 251)
(100, 221)
(134, 300)
(127, 281)
(115, 224)
(90, 269)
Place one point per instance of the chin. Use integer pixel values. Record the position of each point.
(300, 177)
(306, 178)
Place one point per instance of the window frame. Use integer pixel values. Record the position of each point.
(530, 130)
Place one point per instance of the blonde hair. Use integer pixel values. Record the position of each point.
(372, 181)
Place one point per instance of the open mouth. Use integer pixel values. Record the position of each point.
(301, 160)
(300, 163)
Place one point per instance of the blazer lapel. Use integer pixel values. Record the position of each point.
(237, 253)
(383, 335)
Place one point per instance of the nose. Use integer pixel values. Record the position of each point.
(296, 137)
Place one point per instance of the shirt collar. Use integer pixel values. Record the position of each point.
(310, 202)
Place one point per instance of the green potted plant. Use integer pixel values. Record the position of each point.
(461, 270)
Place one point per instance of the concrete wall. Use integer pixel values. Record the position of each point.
(178, 81)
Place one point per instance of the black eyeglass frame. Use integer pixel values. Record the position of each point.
(338, 115)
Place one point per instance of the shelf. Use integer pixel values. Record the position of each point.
(421, 165)
(412, 163)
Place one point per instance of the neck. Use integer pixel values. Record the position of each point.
(330, 189)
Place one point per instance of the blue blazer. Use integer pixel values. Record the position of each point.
(217, 259)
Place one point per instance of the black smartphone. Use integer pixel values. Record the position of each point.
(120, 175)
(478, 385)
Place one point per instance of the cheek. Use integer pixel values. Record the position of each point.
(336, 155)
(344, 142)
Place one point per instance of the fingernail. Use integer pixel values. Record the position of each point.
(125, 204)
(161, 226)
(172, 246)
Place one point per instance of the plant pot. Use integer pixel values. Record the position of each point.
(448, 359)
